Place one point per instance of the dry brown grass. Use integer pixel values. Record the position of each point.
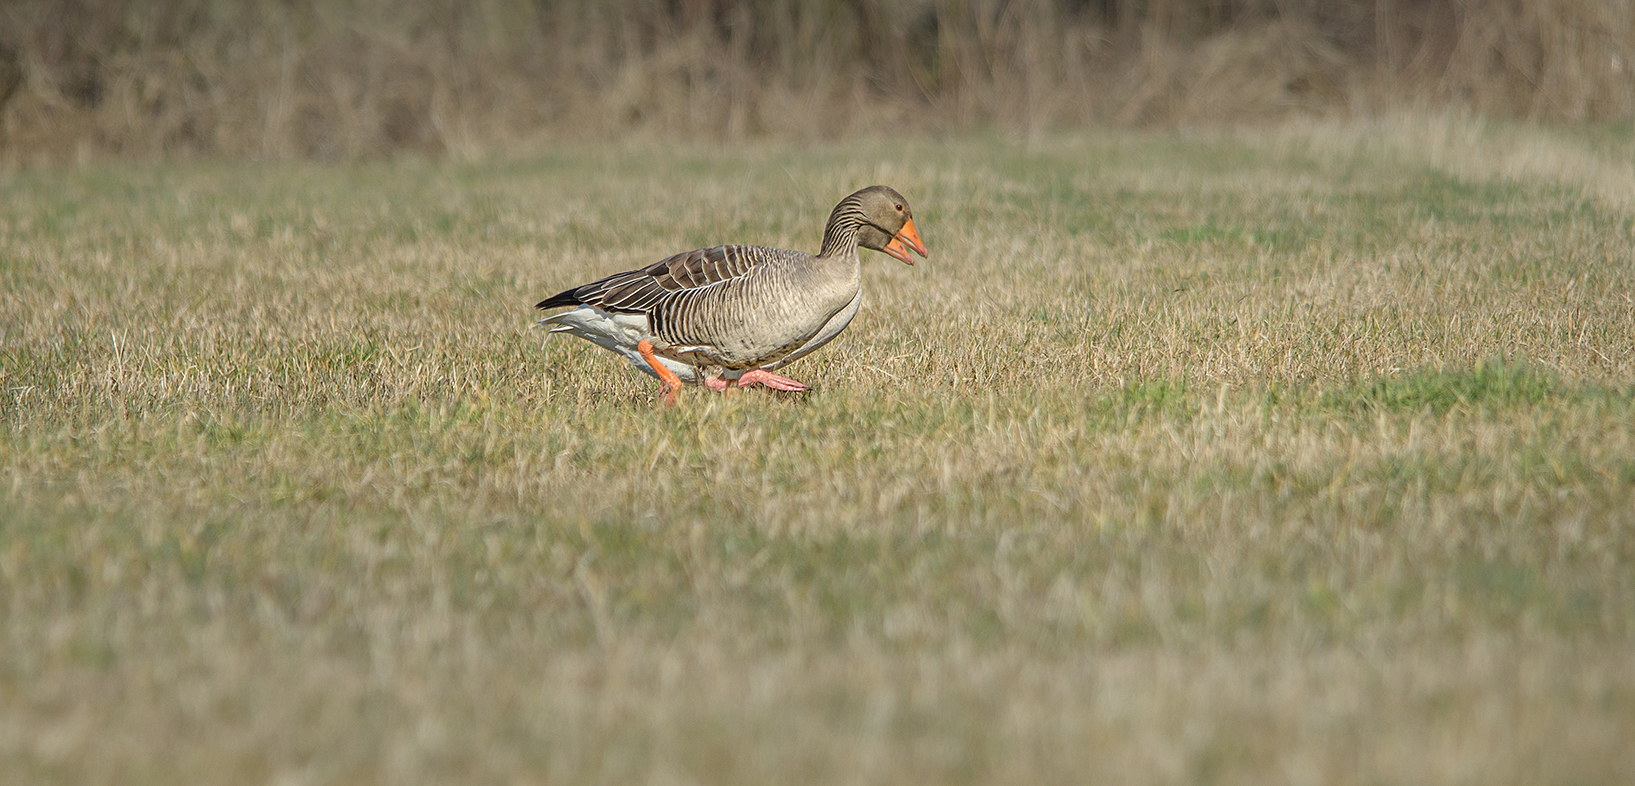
(274, 80)
(1294, 457)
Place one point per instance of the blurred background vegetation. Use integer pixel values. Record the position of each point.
(290, 79)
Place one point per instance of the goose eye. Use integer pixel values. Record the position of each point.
(899, 208)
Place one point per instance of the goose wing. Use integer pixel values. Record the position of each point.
(641, 291)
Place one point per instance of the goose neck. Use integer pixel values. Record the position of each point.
(839, 239)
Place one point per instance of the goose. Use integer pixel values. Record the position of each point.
(731, 315)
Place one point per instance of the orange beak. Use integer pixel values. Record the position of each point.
(907, 238)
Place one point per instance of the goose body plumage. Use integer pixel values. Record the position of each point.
(714, 314)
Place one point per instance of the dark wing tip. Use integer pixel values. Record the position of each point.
(566, 298)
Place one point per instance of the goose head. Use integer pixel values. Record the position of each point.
(882, 221)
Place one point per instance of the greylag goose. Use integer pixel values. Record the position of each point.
(730, 315)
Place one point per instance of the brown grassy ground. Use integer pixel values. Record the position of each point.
(268, 79)
(1302, 456)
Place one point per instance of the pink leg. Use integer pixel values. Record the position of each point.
(771, 380)
(716, 384)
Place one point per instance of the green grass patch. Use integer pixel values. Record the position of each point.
(1491, 386)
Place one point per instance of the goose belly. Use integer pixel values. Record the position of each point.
(830, 329)
(748, 329)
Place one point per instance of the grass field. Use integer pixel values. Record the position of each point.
(1303, 456)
